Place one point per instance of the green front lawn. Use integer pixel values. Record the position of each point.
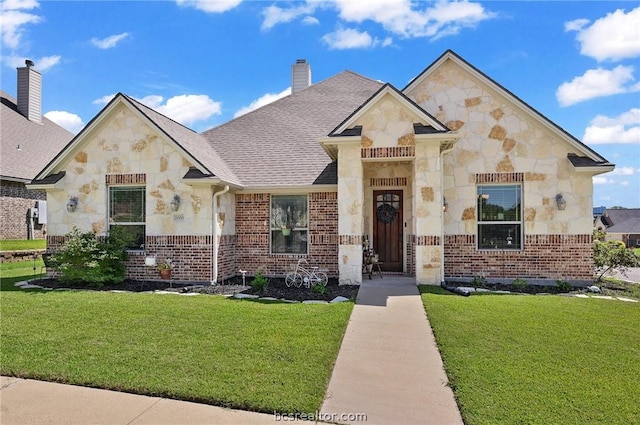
(234, 353)
(19, 245)
(539, 359)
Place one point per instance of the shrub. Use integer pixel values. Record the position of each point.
(563, 286)
(319, 288)
(259, 282)
(479, 282)
(519, 284)
(92, 260)
(613, 255)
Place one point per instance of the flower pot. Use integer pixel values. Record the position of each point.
(165, 274)
(286, 231)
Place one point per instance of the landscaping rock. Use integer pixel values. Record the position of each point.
(315, 302)
(594, 289)
(246, 296)
(629, 300)
(339, 299)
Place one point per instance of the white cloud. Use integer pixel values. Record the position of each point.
(43, 64)
(109, 42)
(348, 38)
(597, 83)
(210, 6)
(613, 37)
(67, 120)
(185, 109)
(624, 171)
(399, 17)
(13, 18)
(105, 99)
(261, 101)
(274, 15)
(623, 129)
(310, 20)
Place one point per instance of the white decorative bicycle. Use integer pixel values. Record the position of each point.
(307, 276)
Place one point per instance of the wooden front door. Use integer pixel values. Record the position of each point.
(387, 228)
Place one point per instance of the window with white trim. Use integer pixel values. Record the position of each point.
(127, 208)
(499, 216)
(289, 224)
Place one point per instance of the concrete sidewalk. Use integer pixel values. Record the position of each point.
(29, 402)
(389, 367)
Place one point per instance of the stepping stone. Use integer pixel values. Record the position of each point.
(482, 290)
(580, 296)
(314, 302)
(629, 300)
(268, 299)
(246, 296)
(19, 284)
(339, 299)
(190, 294)
(603, 297)
(165, 292)
(502, 292)
(467, 288)
(69, 289)
(30, 286)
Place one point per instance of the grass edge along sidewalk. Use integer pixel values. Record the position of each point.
(538, 359)
(240, 354)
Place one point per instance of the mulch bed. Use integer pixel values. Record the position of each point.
(275, 289)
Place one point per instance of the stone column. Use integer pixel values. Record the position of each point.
(427, 212)
(350, 214)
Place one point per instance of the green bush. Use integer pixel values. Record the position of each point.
(92, 260)
(613, 255)
(319, 288)
(259, 282)
(479, 282)
(519, 284)
(563, 286)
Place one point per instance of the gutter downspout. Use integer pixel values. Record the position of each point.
(214, 235)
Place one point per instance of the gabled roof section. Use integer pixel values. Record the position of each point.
(582, 150)
(26, 146)
(631, 225)
(276, 145)
(190, 143)
(427, 120)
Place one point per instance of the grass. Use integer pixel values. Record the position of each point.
(539, 359)
(210, 349)
(19, 245)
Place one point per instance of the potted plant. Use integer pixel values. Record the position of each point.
(165, 268)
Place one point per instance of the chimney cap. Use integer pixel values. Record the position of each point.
(29, 63)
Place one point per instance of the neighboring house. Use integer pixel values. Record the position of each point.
(621, 224)
(28, 141)
(598, 212)
(451, 177)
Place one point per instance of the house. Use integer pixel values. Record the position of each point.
(451, 177)
(621, 224)
(28, 141)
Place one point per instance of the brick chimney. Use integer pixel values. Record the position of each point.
(300, 75)
(30, 92)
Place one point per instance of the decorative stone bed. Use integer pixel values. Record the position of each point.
(275, 290)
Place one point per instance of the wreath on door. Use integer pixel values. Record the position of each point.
(386, 213)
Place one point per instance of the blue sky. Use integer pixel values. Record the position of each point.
(204, 62)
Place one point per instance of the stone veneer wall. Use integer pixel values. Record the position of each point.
(552, 257)
(15, 201)
(253, 233)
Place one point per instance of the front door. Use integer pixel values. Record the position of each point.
(387, 228)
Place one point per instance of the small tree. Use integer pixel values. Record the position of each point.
(92, 260)
(612, 255)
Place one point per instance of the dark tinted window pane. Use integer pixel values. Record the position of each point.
(499, 203)
(499, 236)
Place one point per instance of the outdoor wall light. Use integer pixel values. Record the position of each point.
(561, 202)
(72, 204)
(175, 203)
(445, 204)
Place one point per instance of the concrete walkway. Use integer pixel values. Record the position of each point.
(389, 366)
(29, 402)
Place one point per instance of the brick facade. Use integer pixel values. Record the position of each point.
(15, 201)
(253, 233)
(566, 257)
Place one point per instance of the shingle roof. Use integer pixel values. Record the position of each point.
(277, 145)
(619, 215)
(38, 142)
(631, 225)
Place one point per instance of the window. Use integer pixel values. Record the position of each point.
(289, 225)
(127, 208)
(499, 217)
